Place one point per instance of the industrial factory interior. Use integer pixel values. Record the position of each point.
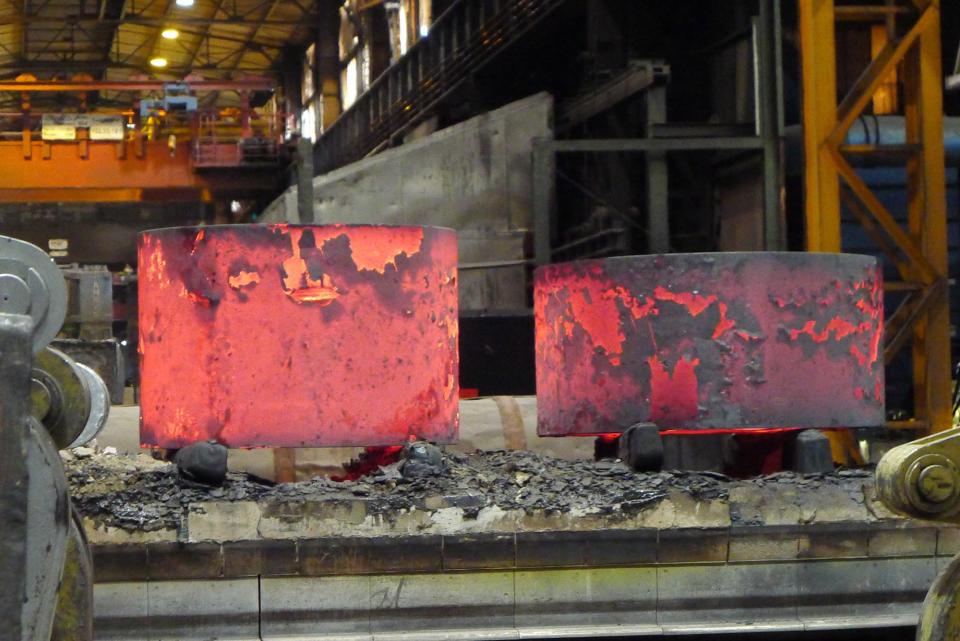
(478, 320)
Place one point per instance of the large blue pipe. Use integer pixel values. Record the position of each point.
(874, 130)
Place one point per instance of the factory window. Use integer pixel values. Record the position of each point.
(423, 17)
(308, 87)
(308, 97)
(308, 123)
(350, 85)
(408, 21)
(404, 40)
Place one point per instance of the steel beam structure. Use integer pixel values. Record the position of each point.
(70, 36)
(544, 162)
(461, 41)
(147, 21)
(639, 77)
(919, 249)
(40, 86)
(762, 139)
(57, 173)
(768, 60)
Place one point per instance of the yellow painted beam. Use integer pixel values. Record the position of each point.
(925, 271)
(923, 89)
(872, 77)
(59, 168)
(919, 250)
(821, 183)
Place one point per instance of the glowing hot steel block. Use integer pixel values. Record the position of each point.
(709, 341)
(297, 335)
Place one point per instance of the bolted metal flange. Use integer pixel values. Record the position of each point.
(99, 406)
(931, 485)
(936, 483)
(31, 285)
(70, 396)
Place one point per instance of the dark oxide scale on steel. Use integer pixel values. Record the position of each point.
(709, 341)
(296, 335)
(138, 494)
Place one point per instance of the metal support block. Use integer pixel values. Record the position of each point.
(809, 453)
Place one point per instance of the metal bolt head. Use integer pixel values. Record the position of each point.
(936, 483)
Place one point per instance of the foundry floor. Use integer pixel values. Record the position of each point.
(498, 544)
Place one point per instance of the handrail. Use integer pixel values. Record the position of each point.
(464, 38)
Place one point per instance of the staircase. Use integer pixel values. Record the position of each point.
(463, 39)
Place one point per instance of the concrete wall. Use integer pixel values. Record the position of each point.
(475, 177)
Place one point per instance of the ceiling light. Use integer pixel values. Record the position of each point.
(158, 62)
(184, 3)
(170, 34)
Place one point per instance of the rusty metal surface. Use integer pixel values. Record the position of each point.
(709, 341)
(298, 335)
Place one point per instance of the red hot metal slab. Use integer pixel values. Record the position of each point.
(709, 341)
(296, 335)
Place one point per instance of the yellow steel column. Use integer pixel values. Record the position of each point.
(919, 249)
(923, 90)
(821, 182)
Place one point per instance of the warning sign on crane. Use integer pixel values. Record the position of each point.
(64, 126)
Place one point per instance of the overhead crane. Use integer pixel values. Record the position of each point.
(152, 159)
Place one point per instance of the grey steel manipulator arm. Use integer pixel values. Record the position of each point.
(47, 402)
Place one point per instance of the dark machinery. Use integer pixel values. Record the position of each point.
(47, 402)
(922, 479)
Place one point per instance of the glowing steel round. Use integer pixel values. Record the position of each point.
(298, 335)
(709, 341)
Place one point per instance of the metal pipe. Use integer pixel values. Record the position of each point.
(875, 130)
